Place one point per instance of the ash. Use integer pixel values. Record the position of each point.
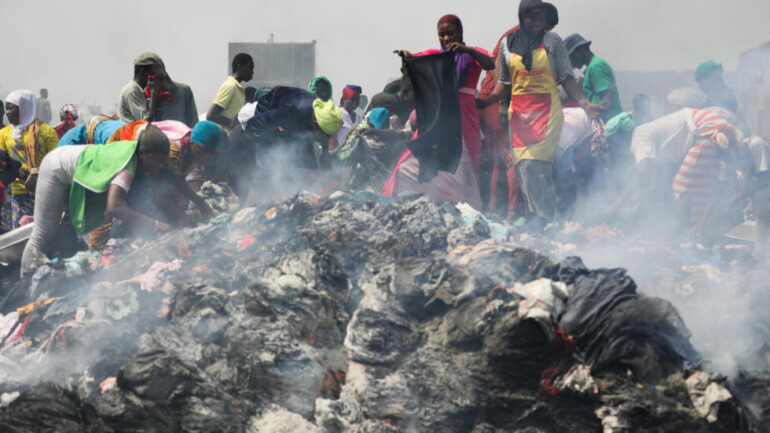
(353, 314)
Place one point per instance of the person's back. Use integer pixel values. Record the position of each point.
(181, 108)
(97, 130)
(284, 106)
(666, 138)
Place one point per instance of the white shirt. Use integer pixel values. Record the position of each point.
(577, 127)
(347, 124)
(666, 138)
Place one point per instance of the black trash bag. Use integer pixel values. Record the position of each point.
(610, 322)
(45, 408)
(439, 145)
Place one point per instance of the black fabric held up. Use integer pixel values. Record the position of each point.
(439, 145)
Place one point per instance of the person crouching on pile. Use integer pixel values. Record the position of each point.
(92, 181)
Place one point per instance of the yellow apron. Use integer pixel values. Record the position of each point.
(535, 114)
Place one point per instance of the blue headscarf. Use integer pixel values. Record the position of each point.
(206, 133)
(378, 117)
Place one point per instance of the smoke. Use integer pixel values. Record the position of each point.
(713, 281)
(88, 64)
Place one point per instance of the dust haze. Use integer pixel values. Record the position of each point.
(82, 51)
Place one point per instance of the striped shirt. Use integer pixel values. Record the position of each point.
(699, 173)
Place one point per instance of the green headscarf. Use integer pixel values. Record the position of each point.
(314, 83)
(707, 68)
(623, 122)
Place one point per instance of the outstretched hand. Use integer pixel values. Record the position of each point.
(404, 54)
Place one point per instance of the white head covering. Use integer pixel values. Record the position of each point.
(686, 97)
(25, 100)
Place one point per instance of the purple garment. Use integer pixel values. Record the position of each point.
(463, 62)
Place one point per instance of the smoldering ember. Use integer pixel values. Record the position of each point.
(352, 313)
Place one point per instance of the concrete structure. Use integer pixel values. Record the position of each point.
(287, 64)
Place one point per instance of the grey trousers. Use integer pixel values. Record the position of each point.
(51, 197)
(537, 187)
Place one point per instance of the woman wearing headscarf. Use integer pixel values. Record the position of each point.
(287, 118)
(91, 182)
(371, 151)
(469, 62)
(68, 116)
(97, 130)
(189, 150)
(532, 63)
(462, 184)
(27, 140)
(494, 125)
(351, 95)
(320, 87)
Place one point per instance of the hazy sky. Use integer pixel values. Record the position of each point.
(83, 50)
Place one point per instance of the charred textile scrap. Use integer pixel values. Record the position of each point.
(348, 314)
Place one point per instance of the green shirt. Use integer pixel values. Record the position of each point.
(96, 168)
(599, 78)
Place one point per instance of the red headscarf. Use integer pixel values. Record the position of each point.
(451, 19)
(348, 93)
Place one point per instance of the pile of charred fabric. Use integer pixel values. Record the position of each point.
(349, 314)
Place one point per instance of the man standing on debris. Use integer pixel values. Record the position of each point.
(101, 175)
(231, 96)
(152, 96)
(599, 80)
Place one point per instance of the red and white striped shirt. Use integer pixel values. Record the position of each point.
(699, 172)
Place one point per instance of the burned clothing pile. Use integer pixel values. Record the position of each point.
(348, 314)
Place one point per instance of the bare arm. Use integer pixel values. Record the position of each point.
(501, 91)
(608, 102)
(215, 115)
(117, 208)
(183, 187)
(574, 92)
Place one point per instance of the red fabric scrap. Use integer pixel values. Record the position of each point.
(245, 242)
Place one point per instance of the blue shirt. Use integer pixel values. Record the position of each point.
(102, 133)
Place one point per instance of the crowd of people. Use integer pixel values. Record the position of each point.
(537, 141)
